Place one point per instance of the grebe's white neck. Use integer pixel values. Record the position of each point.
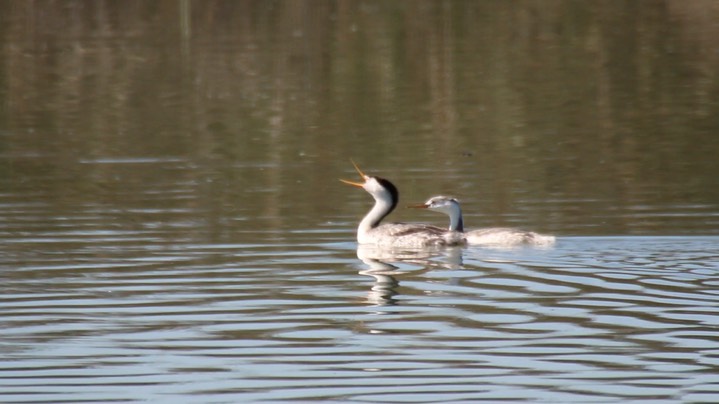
(385, 195)
(456, 223)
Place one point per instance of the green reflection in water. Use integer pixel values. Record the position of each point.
(565, 117)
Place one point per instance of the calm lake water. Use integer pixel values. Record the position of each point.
(172, 228)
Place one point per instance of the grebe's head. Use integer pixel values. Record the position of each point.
(444, 204)
(447, 205)
(378, 187)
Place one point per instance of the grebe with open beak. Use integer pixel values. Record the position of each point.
(386, 196)
(497, 236)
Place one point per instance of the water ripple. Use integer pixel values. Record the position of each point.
(611, 320)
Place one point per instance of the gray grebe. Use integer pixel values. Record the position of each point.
(498, 236)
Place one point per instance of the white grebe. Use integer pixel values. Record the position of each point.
(386, 196)
(498, 236)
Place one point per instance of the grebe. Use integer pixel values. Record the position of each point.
(386, 196)
(497, 236)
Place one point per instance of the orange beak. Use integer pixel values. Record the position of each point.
(362, 175)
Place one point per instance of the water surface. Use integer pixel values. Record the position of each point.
(592, 319)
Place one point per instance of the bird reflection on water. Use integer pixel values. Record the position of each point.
(381, 263)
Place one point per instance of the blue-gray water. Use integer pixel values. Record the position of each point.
(172, 227)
